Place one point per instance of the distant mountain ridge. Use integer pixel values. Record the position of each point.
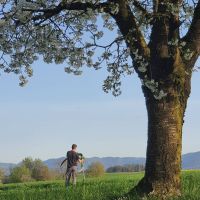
(106, 161)
(189, 161)
(6, 167)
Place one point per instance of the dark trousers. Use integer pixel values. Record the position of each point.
(71, 172)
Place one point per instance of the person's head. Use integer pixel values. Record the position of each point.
(74, 147)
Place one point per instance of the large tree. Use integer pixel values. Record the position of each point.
(159, 40)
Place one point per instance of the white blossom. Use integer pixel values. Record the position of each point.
(26, 4)
(173, 42)
(2, 22)
(188, 54)
(114, 8)
(142, 69)
(23, 80)
(153, 86)
(183, 43)
(160, 95)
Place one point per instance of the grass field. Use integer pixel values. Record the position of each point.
(109, 187)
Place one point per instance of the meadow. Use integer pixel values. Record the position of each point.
(109, 187)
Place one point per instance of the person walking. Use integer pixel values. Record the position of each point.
(72, 159)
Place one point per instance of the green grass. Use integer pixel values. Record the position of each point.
(109, 187)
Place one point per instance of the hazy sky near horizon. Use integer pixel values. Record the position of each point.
(55, 109)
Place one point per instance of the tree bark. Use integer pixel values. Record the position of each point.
(164, 146)
(163, 164)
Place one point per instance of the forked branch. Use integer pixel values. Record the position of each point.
(192, 37)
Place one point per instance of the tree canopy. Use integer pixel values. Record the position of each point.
(74, 32)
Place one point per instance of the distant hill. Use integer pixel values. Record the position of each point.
(189, 161)
(6, 167)
(106, 161)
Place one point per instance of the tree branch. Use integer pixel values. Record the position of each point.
(130, 30)
(138, 5)
(124, 18)
(192, 37)
(48, 13)
(119, 10)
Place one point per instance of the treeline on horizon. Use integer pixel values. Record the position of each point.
(35, 170)
(126, 168)
(29, 170)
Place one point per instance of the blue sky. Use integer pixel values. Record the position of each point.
(55, 109)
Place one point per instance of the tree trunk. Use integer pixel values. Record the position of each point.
(164, 147)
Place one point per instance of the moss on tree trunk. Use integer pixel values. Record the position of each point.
(164, 146)
(163, 164)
